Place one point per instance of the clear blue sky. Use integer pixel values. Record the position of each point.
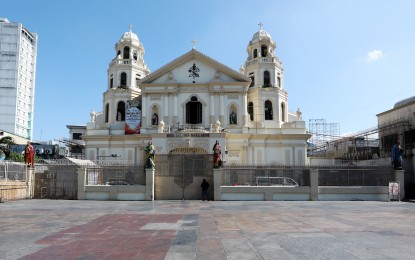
(344, 61)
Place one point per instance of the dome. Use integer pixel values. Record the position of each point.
(404, 102)
(130, 36)
(260, 35)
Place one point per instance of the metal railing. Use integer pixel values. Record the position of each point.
(12, 171)
(115, 175)
(355, 177)
(265, 176)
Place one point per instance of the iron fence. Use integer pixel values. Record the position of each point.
(356, 176)
(115, 175)
(12, 171)
(265, 176)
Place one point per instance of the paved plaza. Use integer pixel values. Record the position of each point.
(68, 229)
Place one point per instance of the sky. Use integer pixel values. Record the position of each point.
(345, 61)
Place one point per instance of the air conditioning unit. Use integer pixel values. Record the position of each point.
(40, 151)
(49, 151)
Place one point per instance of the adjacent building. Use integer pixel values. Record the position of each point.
(187, 105)
(18, 53)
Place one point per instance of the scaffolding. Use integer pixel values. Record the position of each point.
(322, 132)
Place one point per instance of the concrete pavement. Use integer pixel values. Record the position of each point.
(68, 229)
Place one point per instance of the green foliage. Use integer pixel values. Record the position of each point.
(5, 142)
(16, 157)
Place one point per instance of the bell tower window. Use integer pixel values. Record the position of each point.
(107, 110)
(121, 111)
(267, 79)
(264, 51)
(279, 81)
(268, 110)
(251, 110)
(126, 54)
(252, 81)
(255, 53)
(193, 111)
(123, 82)
(282, 112)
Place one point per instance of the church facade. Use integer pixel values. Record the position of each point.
(190, 103)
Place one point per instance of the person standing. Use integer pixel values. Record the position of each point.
(397, 156)
(205, 190)
(29, 154)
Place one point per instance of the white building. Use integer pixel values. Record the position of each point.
(188, 104)
(18, 52)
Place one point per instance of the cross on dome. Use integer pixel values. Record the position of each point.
(260, 25)
(130, 27)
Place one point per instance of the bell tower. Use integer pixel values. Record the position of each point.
(124, 73)
(267, 99)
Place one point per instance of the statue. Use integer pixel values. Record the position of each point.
(119, 116)
(299, 113)
(232, 118)
(93, 115)
(155, 119)
(217, 153)
(29, 154)
(150, 155)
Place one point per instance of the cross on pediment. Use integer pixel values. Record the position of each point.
(194, 42)
(260, 25)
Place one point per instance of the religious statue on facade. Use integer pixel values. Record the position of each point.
(217, 153)
(150, 155)
(232, 118)
(155, 119)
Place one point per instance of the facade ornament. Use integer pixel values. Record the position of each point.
(93, 115)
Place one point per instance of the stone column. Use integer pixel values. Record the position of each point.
(221, 109)
(217, 182)
(314, 185)
(149, 195)
(144, 109)
(81, 183)
(400, 176)
(175, 109)
(212, 109)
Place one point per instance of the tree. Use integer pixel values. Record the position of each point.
(5, 143)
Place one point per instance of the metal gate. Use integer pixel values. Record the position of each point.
(56, 182)
(178, 176)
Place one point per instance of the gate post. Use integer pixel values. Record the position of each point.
(217, 183)
(81, 183)
(400, 176)
(314, 184)
(30, 180)
(149, 195)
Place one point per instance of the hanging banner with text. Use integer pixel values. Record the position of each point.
(132, 121)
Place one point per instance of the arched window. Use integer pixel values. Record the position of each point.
(193, 111)
(255, 53)
(282, 112)
(135, 55)
(111, 82)
(267, 79)
(279, 81)
(251, 110)
(107, 110)
(126, 54)
(118, 52)
(264, 51)
(120, 111)
(123, 82)
(268, 110)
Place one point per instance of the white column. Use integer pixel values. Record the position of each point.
(212, 108)
(143, 111)
(166, 108)
(221, 109)
(244, 110)
(175, 109)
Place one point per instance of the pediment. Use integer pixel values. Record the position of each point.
(194, 67)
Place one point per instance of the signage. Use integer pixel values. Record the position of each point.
(132, 121)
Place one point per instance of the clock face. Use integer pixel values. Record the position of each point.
(194, 71)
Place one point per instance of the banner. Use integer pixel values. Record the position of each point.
(132, 121)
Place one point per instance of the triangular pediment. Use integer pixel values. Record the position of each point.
(194, 67)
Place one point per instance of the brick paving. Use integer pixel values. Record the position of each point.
(55, 229)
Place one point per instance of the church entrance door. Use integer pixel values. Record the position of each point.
(179, 174)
